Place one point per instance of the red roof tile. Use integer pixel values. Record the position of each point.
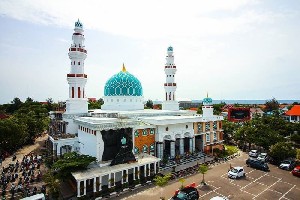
(295, 110)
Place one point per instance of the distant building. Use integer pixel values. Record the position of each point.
(256, 111)
(293, 115)
(238, 114)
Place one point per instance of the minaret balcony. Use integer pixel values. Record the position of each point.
(77, 49)
(170, 67)
(170, 84)
(77, 75)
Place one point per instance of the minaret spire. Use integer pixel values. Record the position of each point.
(123, 68)
(170, 102)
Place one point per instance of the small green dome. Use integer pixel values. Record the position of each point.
(170, 48)
(207, 101)
(123, 84)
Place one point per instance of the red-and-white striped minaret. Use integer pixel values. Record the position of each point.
(77, 103)
(170, 102)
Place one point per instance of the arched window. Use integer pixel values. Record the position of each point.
(136, 150)
(136, 133)
(152, 131)
(145, 132)
(167, 128)
(145, 148)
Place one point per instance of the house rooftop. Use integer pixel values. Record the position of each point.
(295, 110)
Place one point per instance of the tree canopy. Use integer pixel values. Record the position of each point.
(95, 104)
(282, 150)
(271, 105)
(26, 121)
(71, 162)
(149, 104)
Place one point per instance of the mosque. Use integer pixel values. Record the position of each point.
(128, 141)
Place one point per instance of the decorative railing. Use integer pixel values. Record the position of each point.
(77, 75)
(170, 66)
(77, 49)
(170, 84)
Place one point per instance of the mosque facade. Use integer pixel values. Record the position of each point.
(123, 127)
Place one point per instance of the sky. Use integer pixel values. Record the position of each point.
(230, 49)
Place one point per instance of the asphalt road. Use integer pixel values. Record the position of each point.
(276, 184)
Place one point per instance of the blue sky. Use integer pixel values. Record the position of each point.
(233, 49)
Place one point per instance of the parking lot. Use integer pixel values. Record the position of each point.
(276, 184)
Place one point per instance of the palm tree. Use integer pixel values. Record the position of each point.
(203, 169)
(161, 181)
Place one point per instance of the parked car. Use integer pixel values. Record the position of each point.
(263, 157)
(236, 172)
(257, 164)
(253, 153)
(189, 192)
(296, 171)
(287, 164)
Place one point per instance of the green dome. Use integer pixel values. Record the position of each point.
(123, 84)
(207, 100)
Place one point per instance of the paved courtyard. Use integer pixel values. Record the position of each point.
(276, 184)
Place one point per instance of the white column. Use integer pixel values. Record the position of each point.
(181, 146)
(194, 144)
(155, 167)
(172, 149)
(191, 145)
(127, 176)
(78, 188)
(109, 175)
(122, 175)
(134, 173)
(158, 150)
(139, 171)
(145, 170)
(100, 182)
(95, 189)
(84, 189)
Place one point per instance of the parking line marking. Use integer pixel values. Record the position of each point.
(254, 181)
(267, 188)
(283, 196)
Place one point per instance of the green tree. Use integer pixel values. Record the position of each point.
(202, 170)
(13, 134)
(149, 104)
(71, 162)
(95, 104)
(282, 150)
(271, 105)
(161, 181)
(218, 108)
(52, 183)
(15, 104)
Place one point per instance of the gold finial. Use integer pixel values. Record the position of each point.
(123, 69)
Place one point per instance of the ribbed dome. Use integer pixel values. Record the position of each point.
(123, 84)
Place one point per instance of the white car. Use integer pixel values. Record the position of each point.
(253, 153)
(236, 172)
(262, 157)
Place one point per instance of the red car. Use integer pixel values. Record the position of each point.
(296, 171)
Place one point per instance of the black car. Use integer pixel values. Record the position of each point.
(257, 164)
(187, 193)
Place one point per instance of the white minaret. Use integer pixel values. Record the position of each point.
(77, 103)
(170, 102)
(207, 107)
